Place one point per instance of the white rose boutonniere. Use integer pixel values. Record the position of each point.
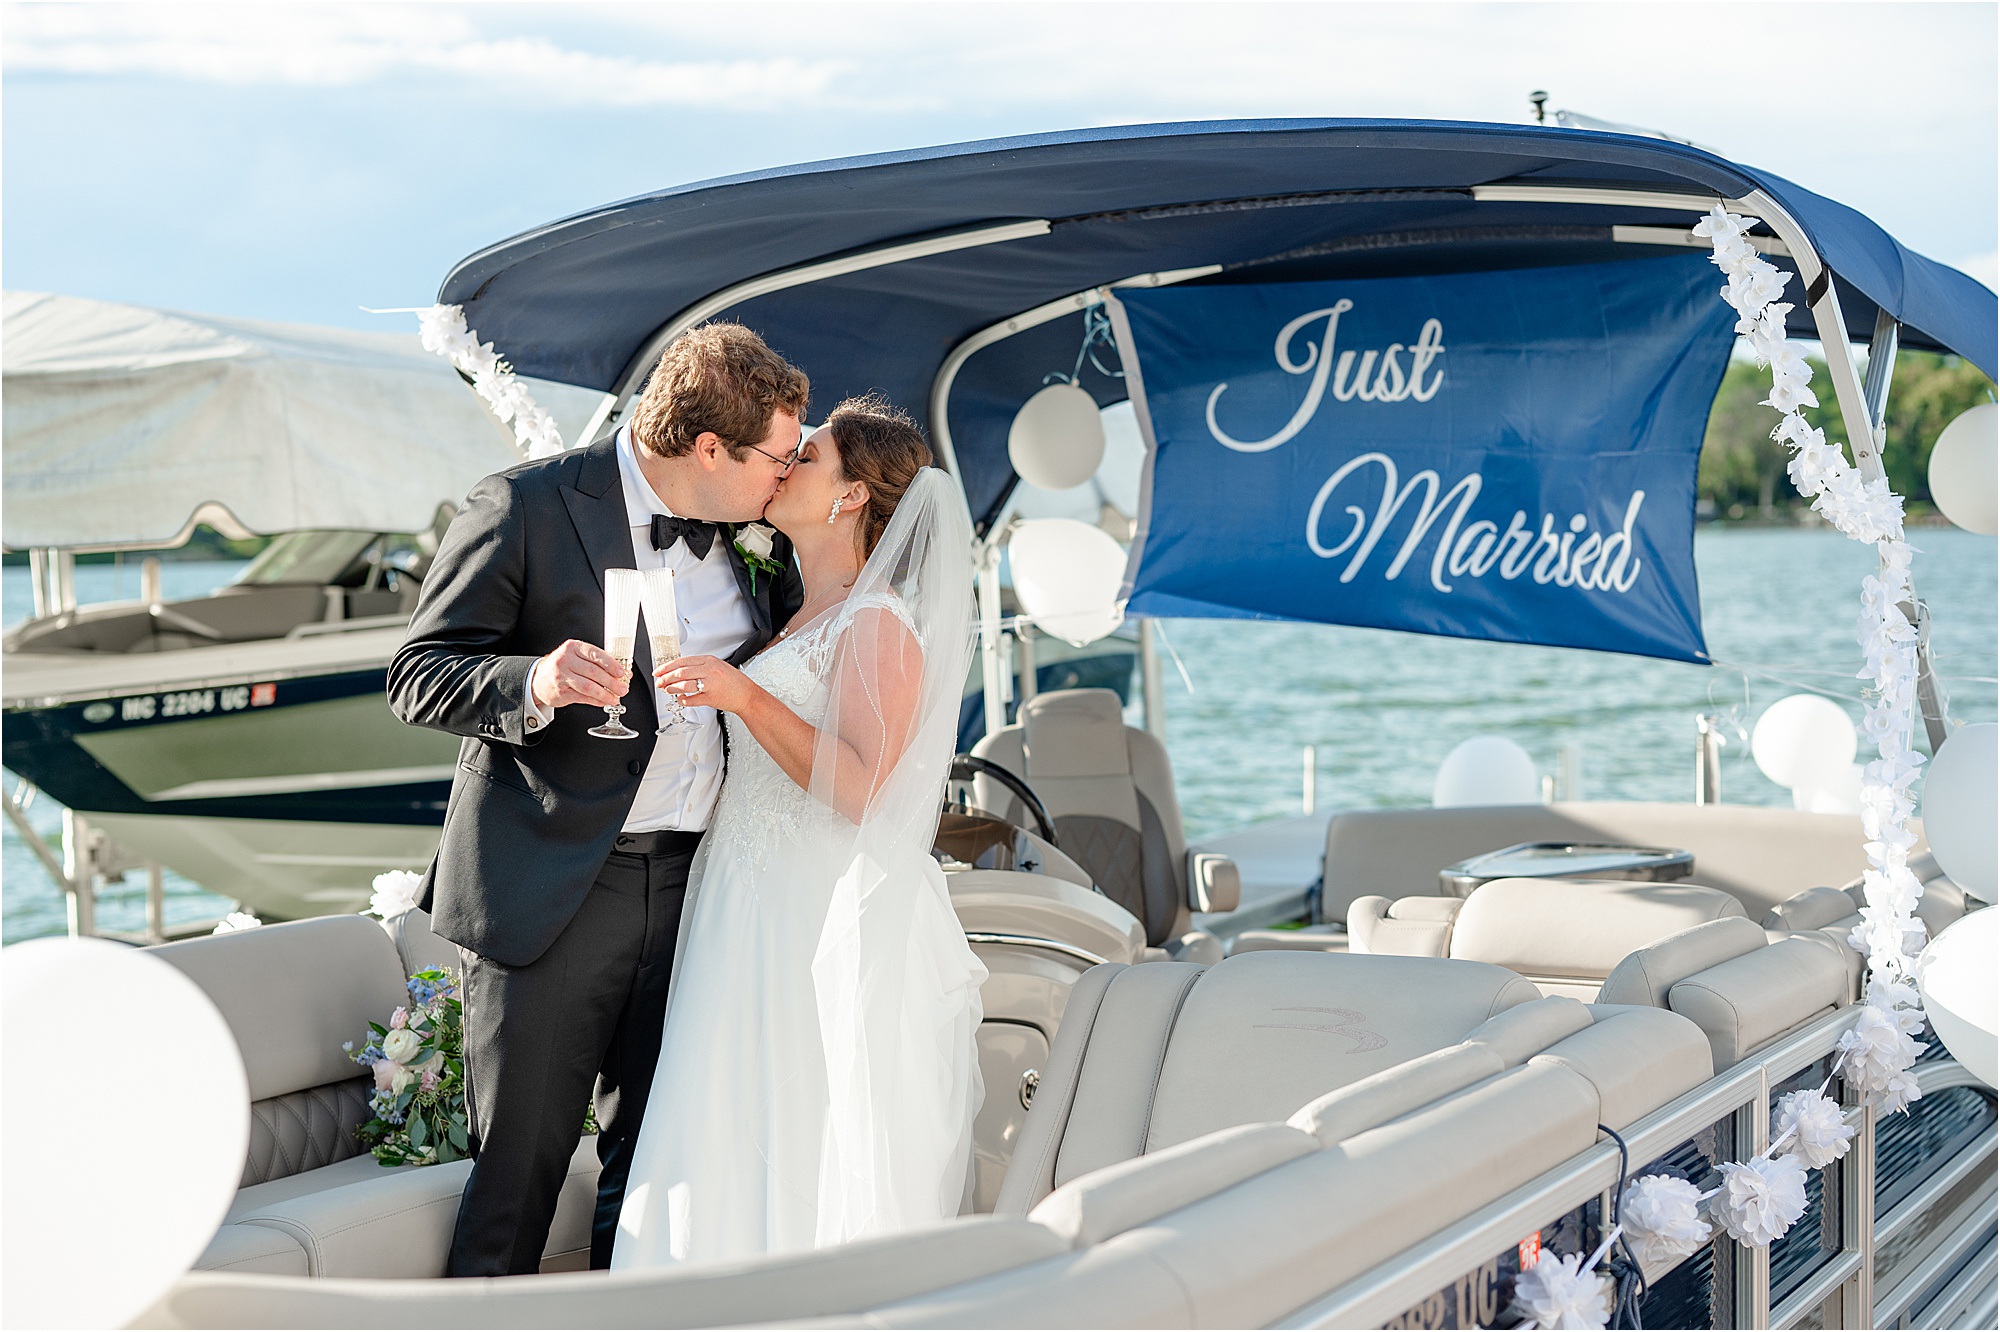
(754, 544)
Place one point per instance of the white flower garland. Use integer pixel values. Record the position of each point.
(1877, 1054)
(445, 333)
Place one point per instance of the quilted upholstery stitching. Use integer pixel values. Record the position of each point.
(304, 1130)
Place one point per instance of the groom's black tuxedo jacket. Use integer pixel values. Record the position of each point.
(533, 813)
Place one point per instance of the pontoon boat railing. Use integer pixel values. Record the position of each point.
(1741, 1097)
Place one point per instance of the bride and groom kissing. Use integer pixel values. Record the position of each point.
(731, 935)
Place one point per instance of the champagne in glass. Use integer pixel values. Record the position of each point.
(621, 633)
(663, 630)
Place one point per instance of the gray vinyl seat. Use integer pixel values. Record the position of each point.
(311, 1202)
(1109, 788)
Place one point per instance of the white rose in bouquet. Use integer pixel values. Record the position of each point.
(400, 1044)
(401, 1078)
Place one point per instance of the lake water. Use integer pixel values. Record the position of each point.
(1383, 709)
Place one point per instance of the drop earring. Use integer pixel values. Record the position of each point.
(838, 501)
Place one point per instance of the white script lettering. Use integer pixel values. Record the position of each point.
(1595, 563)
(1378, 377)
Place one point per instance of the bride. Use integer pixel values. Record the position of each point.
(818, 1076)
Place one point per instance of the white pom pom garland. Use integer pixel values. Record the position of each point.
(1662, 1218)
(1761, 1198)
(1815, 1127)
(1567, 1291)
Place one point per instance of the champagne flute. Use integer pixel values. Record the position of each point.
(663, 632)
(621, 633)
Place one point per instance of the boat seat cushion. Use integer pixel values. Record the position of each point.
(336, 974)
(823, 1283)
(1813, 909)
(361, 1219)
(1253, 1253)
(1569, 934)
(1638, 1059)
(303, 1131)
(1260, 1035)
(1645, 975)
(1759, 855)
(1109, 788)
(1505, 1040)
(1113, 1200)
(1746, 1002)
(1409, 927)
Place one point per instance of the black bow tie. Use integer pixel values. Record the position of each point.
(698, 535)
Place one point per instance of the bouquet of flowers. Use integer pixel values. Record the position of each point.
(419, 1066)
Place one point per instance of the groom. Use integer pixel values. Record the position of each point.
(565, 857)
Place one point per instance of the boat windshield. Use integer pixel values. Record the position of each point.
(318, 558)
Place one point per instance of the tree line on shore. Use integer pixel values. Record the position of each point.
(1742, 472)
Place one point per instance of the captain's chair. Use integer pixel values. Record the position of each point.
(1109, 788)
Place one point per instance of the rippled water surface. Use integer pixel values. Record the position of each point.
(1383, 709)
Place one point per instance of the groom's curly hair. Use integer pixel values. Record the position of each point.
(722, 378)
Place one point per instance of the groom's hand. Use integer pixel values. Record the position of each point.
(579, 672)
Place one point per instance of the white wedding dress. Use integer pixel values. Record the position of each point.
(818, 1077)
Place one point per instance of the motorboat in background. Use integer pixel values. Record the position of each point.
(241, 738)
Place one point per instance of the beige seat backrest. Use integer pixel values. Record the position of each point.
(1110, 790)
(1758, 855)
(291, 995)
(1729, 979)
(1567, 935)
(1158, 1054)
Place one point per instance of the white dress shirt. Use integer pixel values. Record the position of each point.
(681, 783)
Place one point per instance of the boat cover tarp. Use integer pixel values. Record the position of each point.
(1270, 200)
(122, 423)
(1504, 455)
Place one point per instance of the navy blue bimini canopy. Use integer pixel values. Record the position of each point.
(1266, 201)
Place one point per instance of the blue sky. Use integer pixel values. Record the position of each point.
(297, 161)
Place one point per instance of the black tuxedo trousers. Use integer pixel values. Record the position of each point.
(568, 939)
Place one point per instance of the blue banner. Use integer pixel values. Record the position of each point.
(1504, 455)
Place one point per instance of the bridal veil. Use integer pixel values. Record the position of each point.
(897, 984)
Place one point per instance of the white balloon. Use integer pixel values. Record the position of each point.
(1487, 770)
(1067, 575)
(1803, 739)
(1835, 792)
(1961, 794)
(1057, 439)
(1955, 975)
(127, 1117)
(1965, 469)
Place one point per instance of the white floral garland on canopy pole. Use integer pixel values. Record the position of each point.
(493, 379)
(1878, 1053)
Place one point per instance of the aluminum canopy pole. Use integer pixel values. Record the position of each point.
(1933, 703)
(992, 653)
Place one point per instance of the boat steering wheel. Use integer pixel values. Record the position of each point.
(964, 767)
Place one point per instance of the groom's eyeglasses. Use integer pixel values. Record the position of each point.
(786, 463)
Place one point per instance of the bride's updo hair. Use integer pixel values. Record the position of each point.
(882, 448)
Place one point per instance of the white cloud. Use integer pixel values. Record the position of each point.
(876, 77)
(314, 45)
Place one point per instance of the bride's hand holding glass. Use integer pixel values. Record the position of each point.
(707, 682)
